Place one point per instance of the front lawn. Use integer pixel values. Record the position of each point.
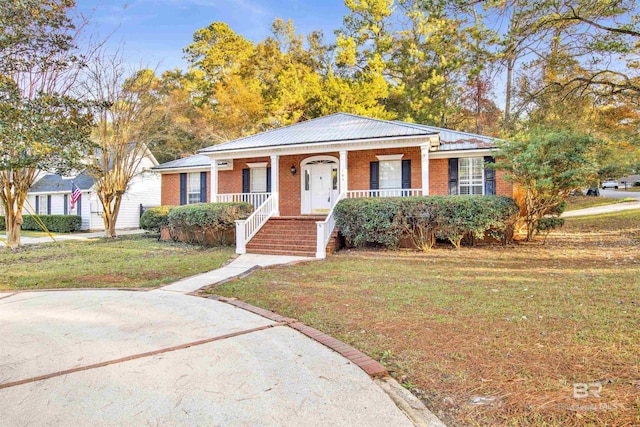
(127, 262)
(582, 202)
(489, 335)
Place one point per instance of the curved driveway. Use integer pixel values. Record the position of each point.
(161, 358)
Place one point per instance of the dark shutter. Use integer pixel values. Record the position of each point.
(183, 189)
(48, 204)
(203, 187)
(79, 206)
(66, 204)
(246, 173)
(406, 174)
(374, 176)
(37, 205)
(489, 177)
(269, 180)
(453, 177)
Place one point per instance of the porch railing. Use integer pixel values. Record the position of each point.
(256, 199)
(246, 229)
(324, 230)
(404, 192)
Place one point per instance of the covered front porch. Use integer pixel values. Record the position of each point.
(306, 187)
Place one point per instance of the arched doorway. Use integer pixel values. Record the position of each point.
(319, 184)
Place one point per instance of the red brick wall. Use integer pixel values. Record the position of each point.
(231, 181)
(503, 188)
(359, 165)
(170, 189)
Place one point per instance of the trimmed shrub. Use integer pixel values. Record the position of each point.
(202, 222)
(54, 223)
(385, 221)
(154, 219)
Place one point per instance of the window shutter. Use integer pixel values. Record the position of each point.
(453, 177)
(79, 207)
(374, 176)
(246, 173)
(66, 204)
(37, 205)
(406, 174)
(269, 180)
(48, 204)
(183, 189)
(489, 177)
(203, 187)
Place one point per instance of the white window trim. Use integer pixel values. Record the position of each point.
(258, 165)
(386, 157)
(471, 182)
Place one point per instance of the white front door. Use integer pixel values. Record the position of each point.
(319, 187)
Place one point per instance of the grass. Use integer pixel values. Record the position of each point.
(30, 233)
(127, 262)
(519, 324)
(582, 202)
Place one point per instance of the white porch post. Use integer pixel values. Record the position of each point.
(275, 183)
(344, 177)
(425, 168)
(214, 180)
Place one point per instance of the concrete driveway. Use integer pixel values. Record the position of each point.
(160, 358)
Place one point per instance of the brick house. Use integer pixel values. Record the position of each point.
(294, 175)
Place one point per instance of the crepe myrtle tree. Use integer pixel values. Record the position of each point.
(42, 127)
(546, 166)
(123, 128)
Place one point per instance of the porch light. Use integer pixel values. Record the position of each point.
(293, 169)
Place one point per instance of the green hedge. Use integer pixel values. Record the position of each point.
(205, 222)
(2, 224)
(154, 219)
(385, 221)
(54, 223)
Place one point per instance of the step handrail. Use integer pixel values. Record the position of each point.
(246, 229)
(325, 228)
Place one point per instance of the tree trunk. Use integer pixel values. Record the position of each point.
(507, 101)
(13, 221)
(110, 217)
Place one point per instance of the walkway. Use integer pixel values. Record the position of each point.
(71, 236)
(618, 207)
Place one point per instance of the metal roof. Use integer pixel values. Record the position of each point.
(197, 160)
(333, 128)
(456, 140)
(54, 183)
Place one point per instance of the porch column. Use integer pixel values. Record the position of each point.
(214, 180)
(275, 183)
(344, 177)
(425, 168)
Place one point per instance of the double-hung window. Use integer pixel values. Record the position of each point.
(470, 176)
(193, 188)
(258, 181)
(390, 174)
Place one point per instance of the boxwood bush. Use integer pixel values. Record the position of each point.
(385, 221)
(54, 223)
(202, 222)
(154, 219)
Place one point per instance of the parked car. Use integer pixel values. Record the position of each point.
(610, 183)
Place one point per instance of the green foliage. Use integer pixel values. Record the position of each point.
(547, 224)
(2, 223)
(153, 219)
(385, 221)
(53, 223)
(195, 223)
(546, 166)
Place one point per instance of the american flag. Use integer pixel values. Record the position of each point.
(75, 195)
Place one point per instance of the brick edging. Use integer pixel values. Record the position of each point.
(372, 367)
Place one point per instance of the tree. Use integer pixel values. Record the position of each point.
(42, 127)
(122, 130)
(546, 166)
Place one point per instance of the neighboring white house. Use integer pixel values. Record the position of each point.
(51, 195)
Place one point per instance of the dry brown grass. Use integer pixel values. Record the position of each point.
(518, 325)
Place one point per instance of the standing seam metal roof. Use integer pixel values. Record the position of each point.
(198, 160)
(333, 128)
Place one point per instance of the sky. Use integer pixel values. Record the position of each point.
(154, 32)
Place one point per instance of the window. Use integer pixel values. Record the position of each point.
(193, 188)
(43, 201)
(470, 179)
(390, 174)
(258, 180)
